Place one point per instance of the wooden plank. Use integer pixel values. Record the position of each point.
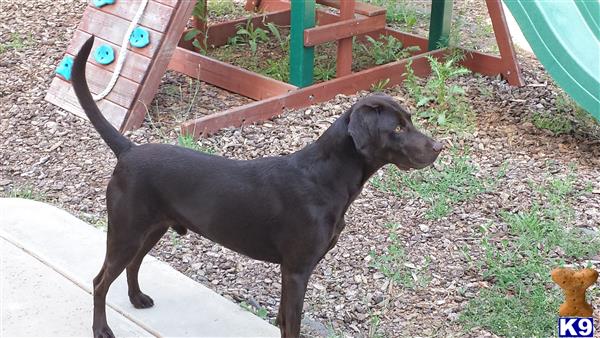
(344, 47)
(170, 3)
(135, 65)
(111, 28)
(303, 97)
(343, 29)
(246, 114)
(156, 15)
(407, 39)
(61, 93)
(363, 80)
(157, 68)
(227, 76)
(361, 7)
(273, 5)
(512, 71)
(122, 93)
(482, 63)
(251, 5)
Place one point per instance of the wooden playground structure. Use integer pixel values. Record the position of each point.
(166, 20)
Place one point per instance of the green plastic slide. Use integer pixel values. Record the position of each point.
(565, 37)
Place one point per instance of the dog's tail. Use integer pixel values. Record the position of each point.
(113, 138)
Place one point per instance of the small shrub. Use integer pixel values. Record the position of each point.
(557, 124)
(441, 103)
(386, 49)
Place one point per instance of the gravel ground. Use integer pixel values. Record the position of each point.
(63, 161)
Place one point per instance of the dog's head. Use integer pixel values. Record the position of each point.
(383, 132)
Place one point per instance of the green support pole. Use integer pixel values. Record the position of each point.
(439, 24)
(302, 58)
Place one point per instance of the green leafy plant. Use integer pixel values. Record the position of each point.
(250, 35)
(257, 310)
(380, 85)
(220, 8)
(386, 49)
(440, 102)
(27, 192)
(188, 141)
(324, 68)
(16, 42)
(199, 40)
(557, 124)
(278, 69)
(400, 12)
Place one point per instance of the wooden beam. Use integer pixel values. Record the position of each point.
(227, 76)
(360, 7)
(344, 47)
(343, 29)
(511, 71)
(320, 92)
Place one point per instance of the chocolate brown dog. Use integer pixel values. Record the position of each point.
(287, 210)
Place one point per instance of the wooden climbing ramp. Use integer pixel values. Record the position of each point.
(126, 104)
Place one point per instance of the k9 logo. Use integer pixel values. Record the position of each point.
(575, 327)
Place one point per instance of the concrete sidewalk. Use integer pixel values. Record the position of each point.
(48, 259)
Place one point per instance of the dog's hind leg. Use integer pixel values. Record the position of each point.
(139, 299)
(121, 249)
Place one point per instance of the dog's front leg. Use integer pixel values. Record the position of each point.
(293, 288)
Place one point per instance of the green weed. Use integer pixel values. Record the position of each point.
(27, 192)
(454, 182)
(393, 264)
(250, 35)
(523, 301)
(325, 68)
(380, 85)
(386, 49)
(258, 311)
(557, 124)
(188, 141)
(441, 103)
(400, 12)
(16, 42)
(219, 8)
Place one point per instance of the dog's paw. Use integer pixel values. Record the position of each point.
(141, 301)
(103, 332)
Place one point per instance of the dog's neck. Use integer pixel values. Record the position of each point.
(334, 159)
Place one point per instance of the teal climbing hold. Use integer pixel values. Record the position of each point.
(104, 54)
(100, 3)
(64, 67)
(140, 37)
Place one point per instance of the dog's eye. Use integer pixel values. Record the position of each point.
(400, 129)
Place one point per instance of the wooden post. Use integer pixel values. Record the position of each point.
(512, 72)
(440, 23)
(344, 48)
(302, 58)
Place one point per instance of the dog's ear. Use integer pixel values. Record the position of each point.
(362, 125)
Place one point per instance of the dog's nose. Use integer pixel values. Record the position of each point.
(437, 146)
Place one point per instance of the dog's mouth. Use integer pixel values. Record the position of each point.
(414, 164)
